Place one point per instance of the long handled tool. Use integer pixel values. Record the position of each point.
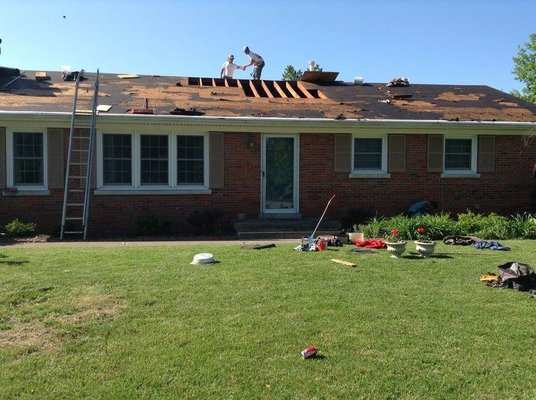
(311, 238)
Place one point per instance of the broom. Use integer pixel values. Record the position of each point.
(311, 238)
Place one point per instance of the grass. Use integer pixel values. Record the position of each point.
(142, 322)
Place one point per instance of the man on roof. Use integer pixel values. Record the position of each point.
(256, 61)
(228, 68)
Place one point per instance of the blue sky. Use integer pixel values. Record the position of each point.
(426, 41)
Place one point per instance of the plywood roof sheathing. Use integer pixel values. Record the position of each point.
(103, 108)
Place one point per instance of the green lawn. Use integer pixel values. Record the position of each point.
(142, 322)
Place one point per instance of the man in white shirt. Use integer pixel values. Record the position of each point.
(228, 68)
(256, 61)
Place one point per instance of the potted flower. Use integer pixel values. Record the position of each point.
(424, 245)
(394, 244)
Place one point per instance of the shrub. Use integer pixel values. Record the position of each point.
(151, 225)
(208, 222)
(17, 228)
(488, 227)
(356, 216)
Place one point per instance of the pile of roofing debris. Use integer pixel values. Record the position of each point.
(398, 82)
(513, 275)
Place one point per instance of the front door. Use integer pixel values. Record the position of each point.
(280, 174)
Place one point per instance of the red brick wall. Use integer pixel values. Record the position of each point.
(506, 191)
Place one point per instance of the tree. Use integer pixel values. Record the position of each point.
(291, 74)
(525, 69)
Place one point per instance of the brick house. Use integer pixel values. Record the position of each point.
(170, 146)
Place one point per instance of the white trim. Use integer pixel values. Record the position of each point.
(62, 119)
(472, 172)
(296, 177)
(380, 175)
(136, 187)
(371, 173)
(10, 178)
(133, 192)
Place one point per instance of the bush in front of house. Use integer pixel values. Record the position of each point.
(19, 229)
(152, 225)
(491, 226)
(209, 222)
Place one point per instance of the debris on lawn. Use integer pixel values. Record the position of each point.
(319, 244)
(347, 263)
(257, 246)
(490, 245)
(203, 258)
(309, 352)
(512, 275)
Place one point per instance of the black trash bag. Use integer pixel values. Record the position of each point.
(517, 276)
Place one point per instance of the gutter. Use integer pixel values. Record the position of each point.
(215, 121)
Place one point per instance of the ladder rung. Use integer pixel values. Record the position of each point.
(78, 163)
(75, 204)
(74, 218)
(76, 190)
(77, 177)
(81, 137)
(80, 150)
(73, 232)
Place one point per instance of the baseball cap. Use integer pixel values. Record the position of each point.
(230, 56)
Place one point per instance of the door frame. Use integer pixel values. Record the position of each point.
(296, 165)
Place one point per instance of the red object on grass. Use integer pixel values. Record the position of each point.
(371, 244)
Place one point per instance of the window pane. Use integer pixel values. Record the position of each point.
(458, 154)
(368, 154)
(117, 159)
(28, 162)
(154, 159)
(190, 160)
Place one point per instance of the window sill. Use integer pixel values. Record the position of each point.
(467, 175)
(358, 175)
(150, 192)
(22, 192)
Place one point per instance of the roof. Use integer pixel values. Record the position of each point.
(34, 91)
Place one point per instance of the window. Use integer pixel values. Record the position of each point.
(368, 154)
(152, 161)
(190, 160)
(369, 157)
(117, 159)
(458, 154)
(28, 159)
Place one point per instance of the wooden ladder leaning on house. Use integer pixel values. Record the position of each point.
(78, 173)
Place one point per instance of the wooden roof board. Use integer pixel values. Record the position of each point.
(165, 93)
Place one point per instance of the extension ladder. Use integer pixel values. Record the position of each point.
(78, 172)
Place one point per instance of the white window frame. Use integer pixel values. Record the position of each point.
(10, 167)
(462, 173)
(371, 173)
(136, 187)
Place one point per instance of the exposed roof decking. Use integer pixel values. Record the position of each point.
(245, 98)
